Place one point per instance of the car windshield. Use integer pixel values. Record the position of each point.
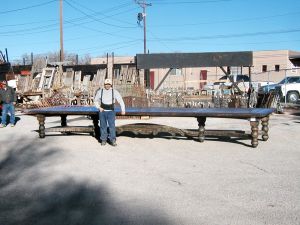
(290, 80)
(242, 78)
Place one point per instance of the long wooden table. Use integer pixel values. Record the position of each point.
(254, 115)
(63, 112)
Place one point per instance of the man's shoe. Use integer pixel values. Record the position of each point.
(114, 143)
(12, 125)
(2, 125)
(103, 143)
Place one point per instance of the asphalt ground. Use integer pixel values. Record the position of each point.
(71, 179)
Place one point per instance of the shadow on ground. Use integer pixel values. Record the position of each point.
(27, 197)
(17, 119)
(293, 110)
(166, 135)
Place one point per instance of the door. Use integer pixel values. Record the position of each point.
(203, 76)
(152, 80)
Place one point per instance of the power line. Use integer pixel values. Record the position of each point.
(81, 18)
(189, 2)
(113, 44)
(228, 21)
(243, 44)
(25, 30)
(88, 17)
(100, 31)
(93, 17)
(105, 16)
(163, 43)
(22, 24)
(166, 25)
(28, 7)
(232, 35)
(116, 47)
(10, 34)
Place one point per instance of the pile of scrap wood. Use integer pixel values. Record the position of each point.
(41, 89)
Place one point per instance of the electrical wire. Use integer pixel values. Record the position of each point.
(93, 17)
(29, 23)
(162, 42)
(233, 35)
(105, 16)
(120, 44)
(100, 31)
(28, 7)
(228, 21)
(189, 2)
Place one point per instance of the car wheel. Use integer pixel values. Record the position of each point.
(293, 97)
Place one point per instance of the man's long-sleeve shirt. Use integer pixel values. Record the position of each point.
(108, 98)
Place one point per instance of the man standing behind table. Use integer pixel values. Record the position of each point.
(8, 98)
(105, 101)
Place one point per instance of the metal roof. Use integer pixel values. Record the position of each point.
(186, 60)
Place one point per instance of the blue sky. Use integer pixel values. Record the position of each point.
(97, 27)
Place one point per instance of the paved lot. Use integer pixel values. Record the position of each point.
(71, 179)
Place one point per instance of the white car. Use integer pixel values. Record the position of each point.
(242, 82)
(290, 89)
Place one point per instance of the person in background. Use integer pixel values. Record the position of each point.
(105, 101)
(8, 101)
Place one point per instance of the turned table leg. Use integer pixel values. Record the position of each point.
(41, 120)
(96, 133)
(265, 128)
(63, 120)
(201, 125)
(254, 132)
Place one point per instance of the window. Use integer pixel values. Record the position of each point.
(289, 80)
(293, 80)
(264, 68)
(177, 72)
(242, 78)
(277, 68)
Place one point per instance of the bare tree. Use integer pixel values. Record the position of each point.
(85, 60)
(26, 58)
(51, 57)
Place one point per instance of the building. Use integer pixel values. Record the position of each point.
(271, 65)
(274, 65)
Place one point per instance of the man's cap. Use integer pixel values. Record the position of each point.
(108, 81)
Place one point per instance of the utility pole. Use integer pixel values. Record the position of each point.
(142, 16)
(61, 32)
(144, 4)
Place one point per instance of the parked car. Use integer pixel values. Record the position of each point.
(290, 89)
(1, 86)
(226, 81)
(242, 81)
(237, 78)
(271, 87)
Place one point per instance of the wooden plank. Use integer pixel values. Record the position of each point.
(240, 113)
(155, 129)
(75, 129)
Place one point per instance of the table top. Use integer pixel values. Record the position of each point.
(157, 111)
(198, 112)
